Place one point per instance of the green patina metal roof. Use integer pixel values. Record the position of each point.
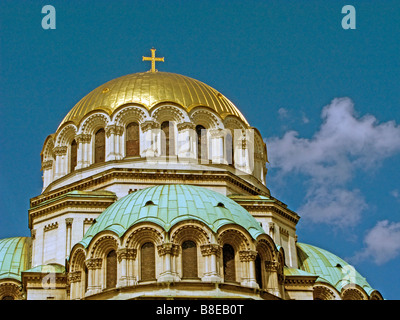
(14, 257)
(167, 205)
(330, 268)
(48, 268)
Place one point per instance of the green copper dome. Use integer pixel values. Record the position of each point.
(14, 257)
(167, 205)
(329, 268)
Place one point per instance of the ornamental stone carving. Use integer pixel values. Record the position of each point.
(247, 255)
(167, 248)
(185, 126)
(46, 165)
(126, 253)
(271, 266)
(149, 125)
(60, 150)
(74, 276)
(94, 263)
(211, 248)
(114, 129)
(83, 138)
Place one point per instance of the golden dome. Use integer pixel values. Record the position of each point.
(150, 88)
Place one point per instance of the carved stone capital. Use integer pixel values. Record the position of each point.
(247, 255)
(46, 165)
(208, 249)
(185, 125)
(167, 248)
(60, 150)
(126, 253)
(83, 138)
(149, 125)
(68, 222)
(114, 129)
(216, 133)
(271, 266)
(93, 263)
(74, 276)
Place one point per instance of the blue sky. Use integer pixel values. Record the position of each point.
(325, 99)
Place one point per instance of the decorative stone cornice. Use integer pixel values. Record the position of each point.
(114, 129)
(247, 255)
(126, 253)
(51, 226)
(93, 263)
(211, 248)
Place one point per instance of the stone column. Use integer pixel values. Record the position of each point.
(68, 224)
(217, 145)
(94, 273)
(151, 142)
(166, 250)
(126, 275)
(60, 153)
(248, 257)
(74, 279)
(47, 167)
(83, 159)
(113, 142)
(271, 277)
(211, 252)
(186, 140)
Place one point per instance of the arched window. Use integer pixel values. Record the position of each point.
(258, 271)
(85, 270)
(111, 269)
(132, 140)
(229, 262)
(168, 139)
(201, 142)
(189, 260)
(148, 262)
(100, 146)
(74, 155)
(7, 298)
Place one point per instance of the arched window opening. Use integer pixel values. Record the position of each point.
(86, 279)
(132, 140)
(7, 298)
(74, 155)
(189, 260)
(111, 269)
(201, 142)
(148, 262)
(168, 138)
(100, 146)
(258, 271)
(229, 262)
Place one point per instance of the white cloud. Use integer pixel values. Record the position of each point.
(283, 113)
(382, 243)
(328, 161)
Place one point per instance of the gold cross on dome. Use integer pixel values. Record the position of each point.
(153, 60)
